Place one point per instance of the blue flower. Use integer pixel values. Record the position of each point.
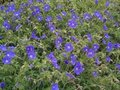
(55, 86)
(107, 3)
(46, 7)
(78, 68)
(18, 27)
(96, 1)
(11, 8)
(1, 37)
(97, 62)
(35, 9)
(66, 61)
(117, 45)
(104, 20)
(109, 47)
(57, 33)
(29, 48)
(81, 21)
(2, 85)
(72, 23)
(108, 59)
(106, 36)
(70, 76)
(40, 1)
(117, 66)
(103, 41)
(68, 47)
(59, 18)
(72, 10)
(63, 13)
(6, 24)
(87, 16)
(52, 27)
(74, 16)
(6, 60)
(107, 13)
(98, 15)
(30, 1)
(48, 18)
(23, 5)
(95, 47)
(10, 54)
(21, 10)
(43, 36)
(52, 58)
(56, 65)
(89, 37)
(31, 55)
(17, 14)
(95, 74)
(73, 59)
(2, 7)
(34, 13)
(39, 18)
(64, 54)
(105, 27)
(59, 6)
(58, 42)
(11, 48)
(74, 39)
(116, 24)
(3, 48)
(90, 53)
(31, 52)
(85, 48)
(33, 36)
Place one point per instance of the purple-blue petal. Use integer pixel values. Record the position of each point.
(91, 53)
(72, 23)
(3, 48)
(46, 7)
(55, 86)
(95, 74)
(108, 59)
(6, 60)
(10, 54)
(78, 68)
(68, 47)
(31, 55)
(2, 85)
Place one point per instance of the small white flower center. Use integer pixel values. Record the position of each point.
(8, 55)
(90, 52)
(76, 68)
(73, 24)
(6, 61)
(68, 47)
(31, 56)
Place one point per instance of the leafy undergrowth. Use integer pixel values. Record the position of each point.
(60, 45)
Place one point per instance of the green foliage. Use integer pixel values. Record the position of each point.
(19, 75)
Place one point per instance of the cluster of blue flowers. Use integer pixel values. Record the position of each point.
(9, 54)
(30, 52)
(2, 85)
(53, 60)
(60, 42)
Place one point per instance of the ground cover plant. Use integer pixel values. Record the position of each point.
(60, 45)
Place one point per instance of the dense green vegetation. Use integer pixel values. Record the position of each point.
(73, 43)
